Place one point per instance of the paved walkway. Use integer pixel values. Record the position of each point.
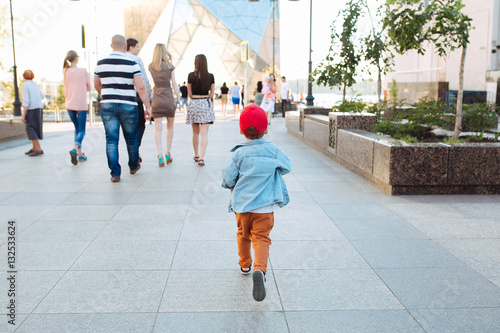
(157, 251)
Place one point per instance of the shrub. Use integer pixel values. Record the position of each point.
(350, 106)
(398, 129)
(478, 117)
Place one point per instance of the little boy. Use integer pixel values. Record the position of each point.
(253, 174)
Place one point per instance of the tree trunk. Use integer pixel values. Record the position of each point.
(379, 90)
(458, 118)
(343, 92)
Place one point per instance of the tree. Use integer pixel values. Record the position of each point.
(60, 98)
(411, 23)
(340, 65)
(377, 53)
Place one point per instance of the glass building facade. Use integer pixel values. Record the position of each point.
(227, 24)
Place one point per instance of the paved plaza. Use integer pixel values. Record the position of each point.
(157, 251)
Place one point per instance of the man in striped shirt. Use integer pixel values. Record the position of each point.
(116, 79)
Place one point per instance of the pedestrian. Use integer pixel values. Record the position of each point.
(234, 92)
(223, 98)
(133, 49)
(32, 112)
(201, 85)
(253, 173)
(268, 100)
(184, 97)
(76, 86)
(116, 79)
(258, 93)
(164, 106)
(242, 96)
(285, 95)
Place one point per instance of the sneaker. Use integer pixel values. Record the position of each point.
(259, 289)
(115, 179)
(133, 172)
(246, 271)
(73, 154)
(82, 158)
(36, 153)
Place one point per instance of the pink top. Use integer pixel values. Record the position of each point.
(76, 85)
(268, 90)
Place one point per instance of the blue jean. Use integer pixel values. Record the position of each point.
(113, 115)
(79, 119)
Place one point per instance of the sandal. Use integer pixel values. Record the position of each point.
(201, 162)
(168, 158)
(196, 159)
(74, 158)
(160, 161)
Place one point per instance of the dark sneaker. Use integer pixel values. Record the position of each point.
(115, 179)
(73, 154)
(29, 152)
(259, 289)
(36, 153)
(133, 172)
(246, 271)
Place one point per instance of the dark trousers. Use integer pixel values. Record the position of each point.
(285, 106)
(141, 123)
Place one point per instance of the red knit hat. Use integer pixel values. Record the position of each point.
(253, 115)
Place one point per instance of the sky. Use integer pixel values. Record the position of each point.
(47, 29)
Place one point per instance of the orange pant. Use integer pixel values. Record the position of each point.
(254, 228)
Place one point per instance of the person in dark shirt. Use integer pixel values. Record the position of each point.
(184, 97)
(223, 98)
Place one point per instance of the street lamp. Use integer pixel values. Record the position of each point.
(17, 103)
(309, 98)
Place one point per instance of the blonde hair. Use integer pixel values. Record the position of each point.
(70, 57)
(160, 54)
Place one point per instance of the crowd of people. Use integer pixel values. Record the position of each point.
(254, 170)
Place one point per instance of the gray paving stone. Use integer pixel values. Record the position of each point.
(105, 292)
(206, 255)
(82, 212)
(126, 255)
(24, 216)
(98, 198)
(215, 322)
(155, 186)
(92, 322)
(426, 211)
(315, 255)
(357, 211)
(144, 229)
(46, 256)
(201, 291)
(209, 212)
(438, 288)
(62, 231)
(140, 213)
(479, 210)
(389, 228)
(340, 289)
(395, 321)
(458, 320)
(300, 212)
(30, 288)
(158, 198)
(37, 198)
(209, 230)
(6, 327)
(294, 229)
(458, 228)
(330, 186)
(405, 253)
(339, 197)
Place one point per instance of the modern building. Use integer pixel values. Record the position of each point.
(226, 23)
(417, 76)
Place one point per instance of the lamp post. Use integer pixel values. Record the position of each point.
(17, 103)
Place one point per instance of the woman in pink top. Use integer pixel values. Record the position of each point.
(269, 99)
(76, 85)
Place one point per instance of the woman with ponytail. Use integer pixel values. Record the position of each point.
(76, 86)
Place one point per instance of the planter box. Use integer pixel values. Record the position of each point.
(398, 167)
(12, 128)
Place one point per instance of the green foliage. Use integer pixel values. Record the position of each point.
(350, 106)
(496, 136)
(452, 140)
(478, 117)
(340, 65)
(407, 138)
(60, 99)
(393, 92)
(400, 129)
(429, 112)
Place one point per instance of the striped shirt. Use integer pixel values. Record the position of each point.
(117, 73)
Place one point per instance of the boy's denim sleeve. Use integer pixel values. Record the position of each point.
(284, 163)
(230, 174)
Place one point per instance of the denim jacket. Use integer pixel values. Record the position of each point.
(253, 173)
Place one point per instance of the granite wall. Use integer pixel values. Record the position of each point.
(12, 129)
